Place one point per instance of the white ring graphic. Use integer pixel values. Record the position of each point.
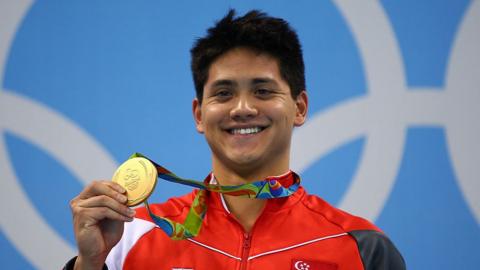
(384, 135)
(384, 114)
(463, 125)
(62, 139)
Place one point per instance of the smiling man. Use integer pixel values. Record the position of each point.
(250, 86)
(247, 114)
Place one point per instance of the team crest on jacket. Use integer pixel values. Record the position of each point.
(300, 264)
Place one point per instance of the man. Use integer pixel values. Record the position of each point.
(249, 78)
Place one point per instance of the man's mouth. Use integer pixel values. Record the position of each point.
(245, 131)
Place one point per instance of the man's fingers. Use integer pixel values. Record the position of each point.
(93, 216)
(106, 201)
(97, 188)
(101, 200)
(116, 186)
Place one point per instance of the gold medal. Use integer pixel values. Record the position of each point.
(138, 176)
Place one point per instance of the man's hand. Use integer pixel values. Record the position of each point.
(99, 213)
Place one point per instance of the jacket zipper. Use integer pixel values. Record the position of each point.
(247, 238)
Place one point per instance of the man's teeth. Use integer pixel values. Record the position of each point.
(243, 131)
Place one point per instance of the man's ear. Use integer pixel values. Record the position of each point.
(301, 103)
(197, 115)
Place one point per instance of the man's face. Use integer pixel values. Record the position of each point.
(247, 113)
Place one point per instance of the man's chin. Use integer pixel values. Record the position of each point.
(244, 162)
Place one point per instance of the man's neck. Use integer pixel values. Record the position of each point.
(245, 210)
(236, 175)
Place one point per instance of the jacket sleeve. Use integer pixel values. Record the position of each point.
(377, 251)
(70, 264)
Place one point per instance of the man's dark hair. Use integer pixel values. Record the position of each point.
(257, 31)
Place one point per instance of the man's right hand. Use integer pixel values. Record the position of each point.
(99, 213)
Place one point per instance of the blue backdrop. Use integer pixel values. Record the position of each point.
(392, 133)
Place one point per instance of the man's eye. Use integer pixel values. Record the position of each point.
(263, 92)
(223, 93)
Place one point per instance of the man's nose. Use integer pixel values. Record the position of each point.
(244, 108)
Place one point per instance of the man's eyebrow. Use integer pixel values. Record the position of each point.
(223, 83)
(263, 80)
(227, 82)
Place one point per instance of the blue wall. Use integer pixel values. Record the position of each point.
(118, 72)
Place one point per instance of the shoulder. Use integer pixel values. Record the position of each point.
(344, 220)
(377, 251)
(375, 248)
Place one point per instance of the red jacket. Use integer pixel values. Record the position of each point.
(297, 232)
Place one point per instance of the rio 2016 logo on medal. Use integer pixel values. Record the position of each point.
(131, 179)
(392, 133)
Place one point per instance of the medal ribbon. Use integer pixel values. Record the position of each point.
(265, 189)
